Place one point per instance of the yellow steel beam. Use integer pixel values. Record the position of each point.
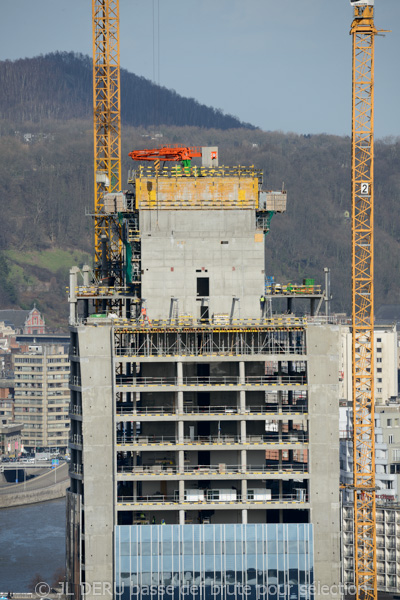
(107, 128)
(363, 32)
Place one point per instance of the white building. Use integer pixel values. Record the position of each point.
(42, 396)
(385, 363)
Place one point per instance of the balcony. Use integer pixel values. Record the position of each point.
(75, 410)
(76, 439)
(76, 470)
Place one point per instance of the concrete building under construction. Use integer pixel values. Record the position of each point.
(204, 434)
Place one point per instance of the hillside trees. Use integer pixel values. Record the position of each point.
(59, 86)
(48, 189)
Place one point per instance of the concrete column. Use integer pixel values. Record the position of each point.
(181, 461)
(241, 372)
(322, 373)
(181, 491)
(244, 489)
(242, 400)
(86, 274)
(244, 460)
(181, 517)
(179, 372)
(72, 299)
(180, 432)
(242, 432)
(244, 516)
(180, 403)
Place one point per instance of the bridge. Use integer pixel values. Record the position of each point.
(49, 484)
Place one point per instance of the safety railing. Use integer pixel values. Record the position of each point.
(76, 438)
(75, 469)
(267, 409)
(88, 291)
(293, 290)
(221, 350)
(193, 171)
(202, 470)
(252, 380)
(159, 499)
(297, 437)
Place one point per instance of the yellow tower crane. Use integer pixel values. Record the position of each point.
(107, 139)
(363, 32)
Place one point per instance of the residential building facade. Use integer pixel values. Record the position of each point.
(42, 397)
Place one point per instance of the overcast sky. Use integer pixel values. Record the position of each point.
(278, 64)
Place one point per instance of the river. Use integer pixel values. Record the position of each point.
(32, 541)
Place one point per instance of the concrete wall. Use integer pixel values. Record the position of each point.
(21, 498)
(73, 543)
(98, 456)
(178, 247)
(323, 388)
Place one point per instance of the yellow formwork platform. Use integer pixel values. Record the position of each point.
(226, 193)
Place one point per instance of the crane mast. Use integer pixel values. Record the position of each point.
(107, 137)
(363, 33)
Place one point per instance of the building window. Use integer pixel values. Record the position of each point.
(379, 390)
(379, 360)
(396, 455)
(390, 439)
(379, 349)
(203, 286)
(389, 422)
(379, 369)
(379, 380)
(378, 339)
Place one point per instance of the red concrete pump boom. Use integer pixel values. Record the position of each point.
(166, 153)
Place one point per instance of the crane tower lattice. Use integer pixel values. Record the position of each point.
(363, 32)
(107, 135)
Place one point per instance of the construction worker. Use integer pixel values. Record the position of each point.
(162, 521)
(262, 304)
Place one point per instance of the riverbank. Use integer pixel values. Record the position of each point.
(48, 486)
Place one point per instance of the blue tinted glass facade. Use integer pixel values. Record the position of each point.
(214, 562)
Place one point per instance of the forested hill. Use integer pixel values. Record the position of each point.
(59, 86)
(46, 170)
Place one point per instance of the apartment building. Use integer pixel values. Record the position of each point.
(387, 546)
(42, 396)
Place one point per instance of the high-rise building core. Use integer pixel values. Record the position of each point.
(176, 404)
